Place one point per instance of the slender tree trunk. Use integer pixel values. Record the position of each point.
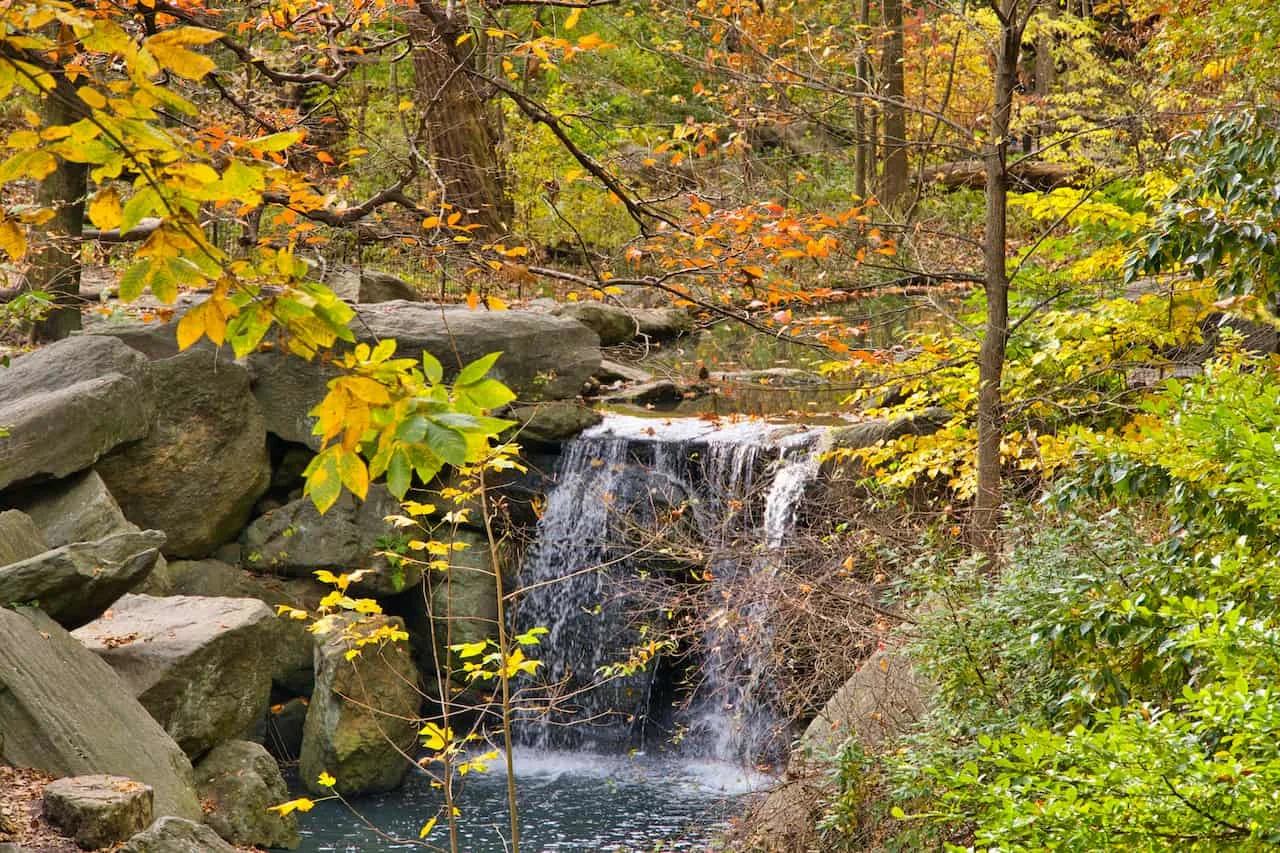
(56, 269)
(1046, 65)
(862, 152)
(894, 182)
(461, 134)
(987, 502)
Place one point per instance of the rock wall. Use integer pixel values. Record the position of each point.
(117, 451)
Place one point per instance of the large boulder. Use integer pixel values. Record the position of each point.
(296, 540)
(553, 422)
(205, 463)
(99, 811)
(175, 835)
(67, 713)
(614, 325)
(362, 716)
(20, 538)
(367, 287)
(67, 404)
(292, 645)
(460, 605)
(75, 509)
(74, 584)
(238, 782)
(200, 666)
(544, 357)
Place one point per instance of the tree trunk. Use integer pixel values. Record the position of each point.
(894, 181)
(862, 151)
(987, 502)
(56, 268)
(461, 135)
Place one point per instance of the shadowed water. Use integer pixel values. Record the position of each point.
(568, 802)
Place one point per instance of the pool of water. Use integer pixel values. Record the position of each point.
(569, 803)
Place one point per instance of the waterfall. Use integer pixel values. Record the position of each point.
(622, 482)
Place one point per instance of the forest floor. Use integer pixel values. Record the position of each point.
(22, 813)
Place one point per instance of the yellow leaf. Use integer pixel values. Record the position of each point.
(326, 781)
(192, 326)
(405, 106)
(12, 239)
(431, 222)
(104, 210)
(92, 97)
(169, 48)
(302, 804)
(572, 21)
(464, 38)
(427, 827)
(495, 304)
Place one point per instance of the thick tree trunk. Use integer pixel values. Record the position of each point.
(56, 268)
(987, 502)
(894, 179)
(461, 134)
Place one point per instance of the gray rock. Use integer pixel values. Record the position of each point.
(660, 391)
(199, 472)
(20, 538)
(362, 714)
(66, 363)
(175, 835)
(291, 644)
(297, 540)
(616, 371)
(614, 325)
(238, 782)
(74, 509)
(869, 432)
(74, 584)
(544, 357)
(776, 376)
(67, 713)
(367, 287)
(199, 665)
(661, 324)
(99, 811)
(53, 433)
(553, 421)
(463, 602)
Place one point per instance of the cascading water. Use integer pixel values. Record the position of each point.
(627, 480)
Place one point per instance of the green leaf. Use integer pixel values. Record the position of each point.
(446, 442)
(399, 475)
(432, 368)
(476, 370)
(324, 483)
(487, 394)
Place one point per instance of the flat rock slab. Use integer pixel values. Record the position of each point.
(201, 666)
(76, 583)
(98, 811)
(238, 782)
(67, 404)
(75, 509)
(175, 835)
(67, 713)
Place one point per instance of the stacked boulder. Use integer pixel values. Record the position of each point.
(152, 521)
